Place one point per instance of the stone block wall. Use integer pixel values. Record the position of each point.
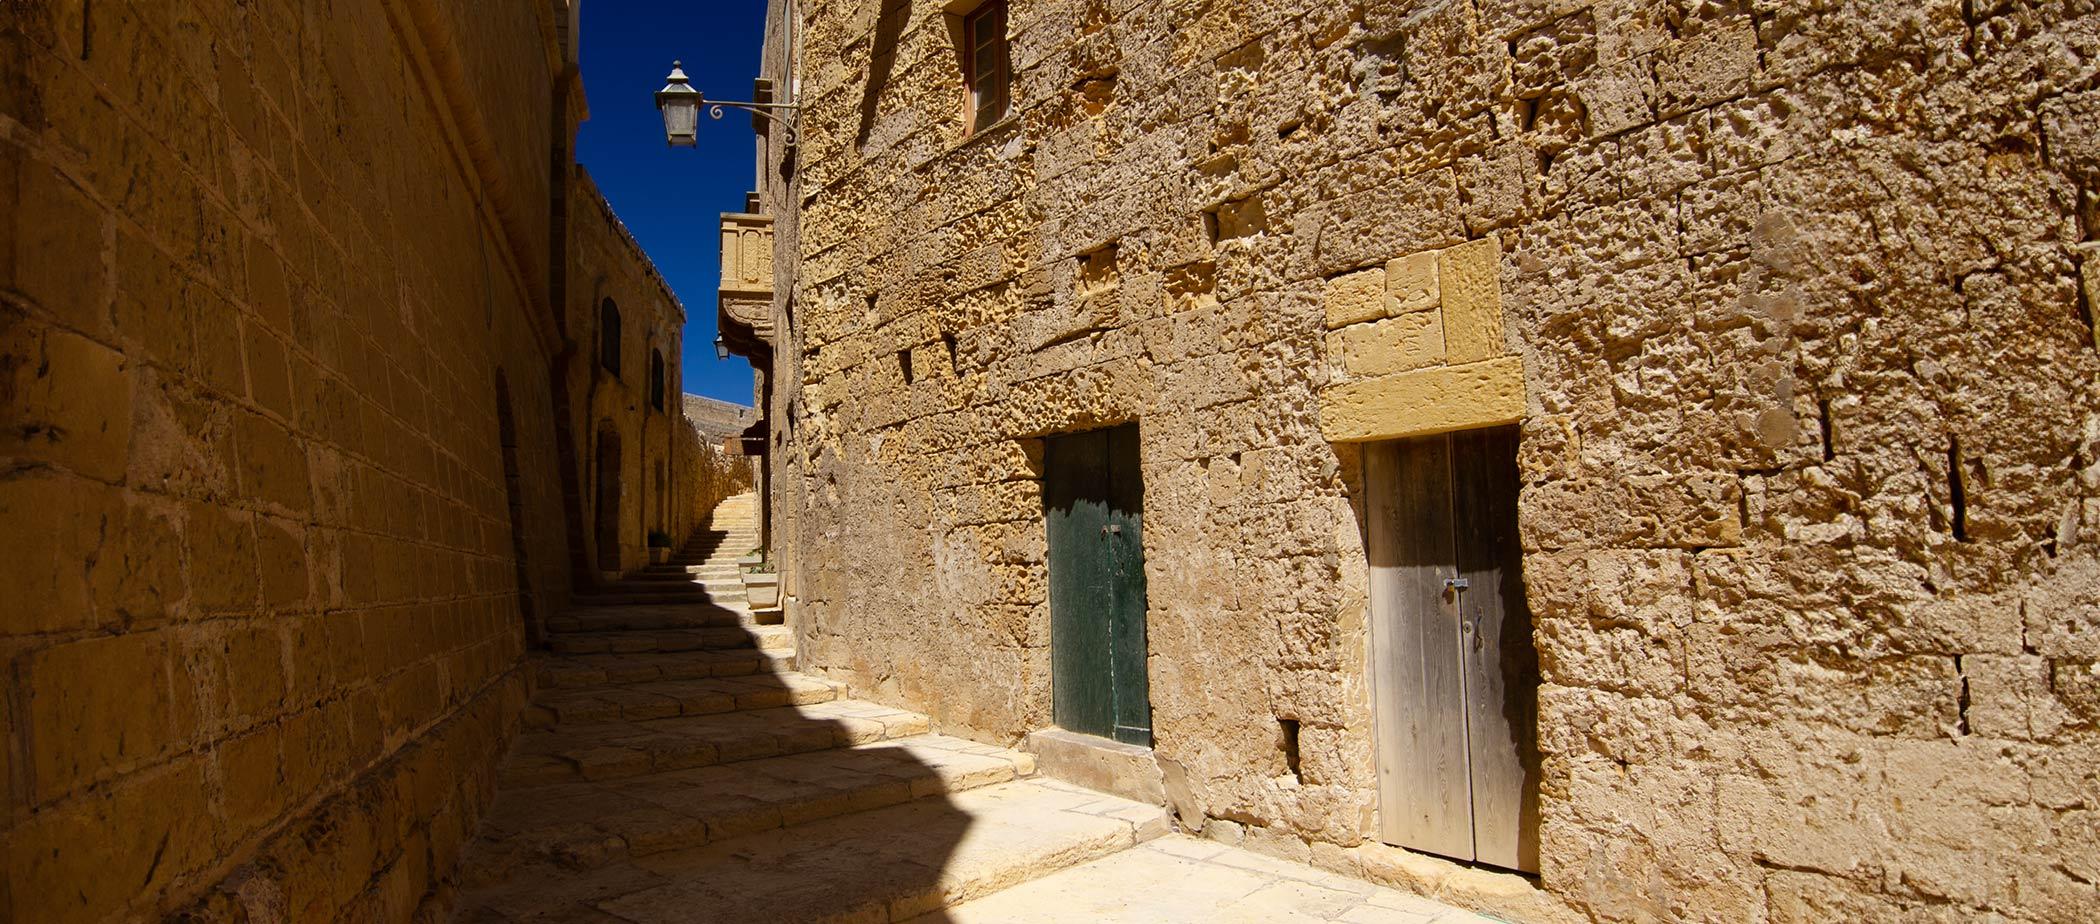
(708, 475)
(615, 409)
(1810, 435)
(274, 351)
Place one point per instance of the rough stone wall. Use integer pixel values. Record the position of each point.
(606, 262)
(262, 269)
(1802, 299)
(707, 475)
(718, 420)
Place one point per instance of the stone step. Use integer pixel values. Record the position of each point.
(586, 825)
(889, 864)
(682, 576)
(640, 596)
(697, 615)
(636, 641)
(590, 670)
(619, 750)
(661, 699)
(721, 558)
(731, 544)
(659, 573)
(720, 534)
(724, 567)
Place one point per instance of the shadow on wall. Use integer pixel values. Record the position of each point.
(675, 770)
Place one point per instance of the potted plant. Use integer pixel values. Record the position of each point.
(762, 586)
(659, 547)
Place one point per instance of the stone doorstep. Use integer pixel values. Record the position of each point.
(1100, 764)
(616, 750)
(888, 864)
(590, 824)
(666, 698)
(639, 641)
(580, 671)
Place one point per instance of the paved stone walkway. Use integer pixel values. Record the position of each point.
(676, 768)
(1182, 879)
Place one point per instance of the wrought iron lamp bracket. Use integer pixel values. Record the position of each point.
(781, 114)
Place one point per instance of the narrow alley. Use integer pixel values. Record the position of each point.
(989, 461)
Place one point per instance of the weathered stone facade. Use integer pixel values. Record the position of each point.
(1792, 303)
(645, 470)
(282, 477)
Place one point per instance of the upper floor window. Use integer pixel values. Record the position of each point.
(656, 379)
(988, 67)
(609, 337)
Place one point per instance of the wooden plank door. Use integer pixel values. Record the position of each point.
(1454, 676)
(1093, 499)
(1501, 663)
(1424, 778)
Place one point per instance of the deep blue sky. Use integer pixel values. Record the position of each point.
(673, 199)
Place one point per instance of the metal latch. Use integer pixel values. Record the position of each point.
(1115, 528)
(1456, 583)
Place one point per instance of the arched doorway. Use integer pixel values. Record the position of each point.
(608, 497)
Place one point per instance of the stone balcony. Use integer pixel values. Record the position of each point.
(746, 295)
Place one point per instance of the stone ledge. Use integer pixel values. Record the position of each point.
(1100, 764)
(1425, 401)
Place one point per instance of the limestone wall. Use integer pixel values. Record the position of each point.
(707, 475)
(274, 345)
(1787, 299)
(617, 420)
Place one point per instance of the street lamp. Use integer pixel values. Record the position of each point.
(680, 105)
(721, 347)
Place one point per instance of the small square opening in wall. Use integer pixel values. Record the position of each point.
(1235, 219)
(1289, 728)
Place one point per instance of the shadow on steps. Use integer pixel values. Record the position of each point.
(675, 767)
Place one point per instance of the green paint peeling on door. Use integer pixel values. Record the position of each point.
(1093, 501)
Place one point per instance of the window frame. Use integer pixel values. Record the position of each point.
(658, 372)
(609, 336)
(976, 42)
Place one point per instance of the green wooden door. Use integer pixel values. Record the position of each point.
(1093, 501)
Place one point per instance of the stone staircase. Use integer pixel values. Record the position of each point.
(676, 767)
(704, 570)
